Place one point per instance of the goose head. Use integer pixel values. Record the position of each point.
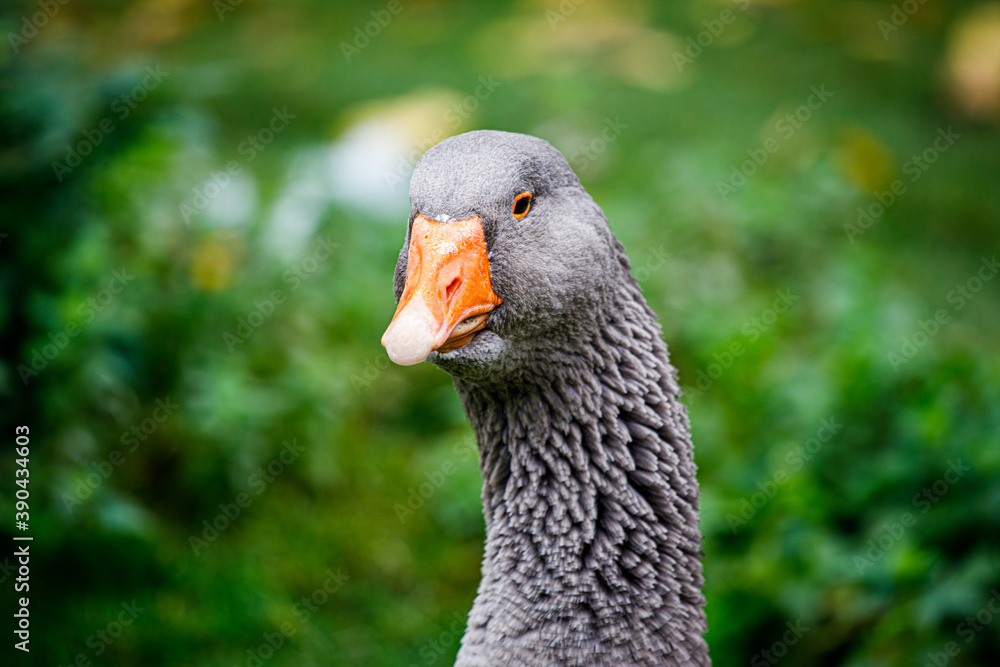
(505, 254)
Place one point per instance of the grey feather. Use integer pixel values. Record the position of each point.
(589, 494)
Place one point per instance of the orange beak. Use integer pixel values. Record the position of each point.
(448, 290)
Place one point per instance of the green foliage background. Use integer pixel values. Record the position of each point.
(313, 373)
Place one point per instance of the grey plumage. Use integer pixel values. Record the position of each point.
(589, 495)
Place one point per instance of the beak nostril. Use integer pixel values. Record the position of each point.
(452, 288)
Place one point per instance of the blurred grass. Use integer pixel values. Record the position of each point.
(311, 370)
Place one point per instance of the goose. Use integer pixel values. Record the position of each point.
(512, 282)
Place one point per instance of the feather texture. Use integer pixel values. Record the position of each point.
(592, 545)
(593, 553)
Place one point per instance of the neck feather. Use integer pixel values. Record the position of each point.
(589, 491)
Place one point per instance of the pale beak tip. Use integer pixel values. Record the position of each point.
(410, 336)
(406, 357)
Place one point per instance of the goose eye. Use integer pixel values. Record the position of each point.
(522, 203)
